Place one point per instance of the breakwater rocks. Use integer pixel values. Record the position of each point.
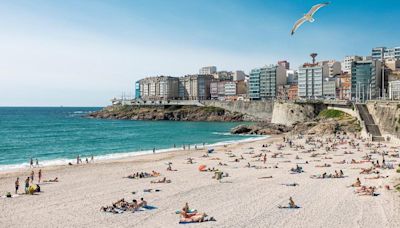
(262, 128)
(174, 113)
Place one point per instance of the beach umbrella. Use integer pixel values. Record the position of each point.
(202, 168)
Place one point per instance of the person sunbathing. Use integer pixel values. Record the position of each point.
(189, 160)
(291, 184)
(222, 164)
(323, 166)
(366, 171)
(376, 177)
(292, 204)
(366, 191)
(52, 180)
(169, 168)
(189, 217)
(164, 180)
(357, 183)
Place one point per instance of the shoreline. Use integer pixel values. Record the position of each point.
(121, 156)
(75, 200)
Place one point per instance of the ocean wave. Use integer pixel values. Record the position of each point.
(115, 156)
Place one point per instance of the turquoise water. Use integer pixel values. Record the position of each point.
(58, 135)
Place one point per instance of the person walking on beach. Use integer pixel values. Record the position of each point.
(77, 160)
(265, 158)
(31, 162)
(32, 175)
(37, 162)
(16, 185)
(27, 185)
(40, 175)
(92, 159)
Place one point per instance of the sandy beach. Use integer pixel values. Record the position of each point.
(246, 198)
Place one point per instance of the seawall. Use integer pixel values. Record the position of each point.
(261, 110)
(386, 115)
(289, 113)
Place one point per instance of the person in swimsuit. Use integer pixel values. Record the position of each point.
(27, 185)
(16, 185)
(32, 175)
(40, 175)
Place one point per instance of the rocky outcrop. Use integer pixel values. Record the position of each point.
(261, 128)
(289, 114)
(326, 123)
(175, 113)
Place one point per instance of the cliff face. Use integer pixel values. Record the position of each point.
(176, 113)
(387, 116)
(291, 113)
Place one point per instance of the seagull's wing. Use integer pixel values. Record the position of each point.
(315, 8)
(297, 24)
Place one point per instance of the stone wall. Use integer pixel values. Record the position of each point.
(261, 110)
(288, 113)
(386, 115)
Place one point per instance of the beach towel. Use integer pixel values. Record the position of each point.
(148, 207)
(190, 211)
(287, 207)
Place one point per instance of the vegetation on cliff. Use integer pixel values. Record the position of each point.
(176, 113)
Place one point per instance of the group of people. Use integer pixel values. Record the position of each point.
(28, 181)
(123, 206)
(79, 160)
(141, 175)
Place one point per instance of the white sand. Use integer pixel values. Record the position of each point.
(242, 200)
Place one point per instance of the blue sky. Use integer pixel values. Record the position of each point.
(82, 53)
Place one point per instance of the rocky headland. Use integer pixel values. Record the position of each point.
(173, 113)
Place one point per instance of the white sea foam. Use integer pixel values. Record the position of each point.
(115, 156)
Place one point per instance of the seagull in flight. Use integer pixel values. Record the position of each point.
(308, 16)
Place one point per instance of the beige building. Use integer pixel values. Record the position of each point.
(346, 64)
(392, 64)
(195, 87)
(334, 68)
(159, 88)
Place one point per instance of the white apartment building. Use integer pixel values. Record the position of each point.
(230, 88)
(387, 53)
(311, 78)
(208, 70)
(394, 90)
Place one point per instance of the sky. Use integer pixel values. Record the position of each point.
(83, 53)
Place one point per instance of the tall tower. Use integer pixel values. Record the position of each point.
(313, 55)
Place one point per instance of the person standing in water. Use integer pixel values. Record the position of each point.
(31, 162)
(37, 162)
(92, 159)
(77, 159)
(154, 150)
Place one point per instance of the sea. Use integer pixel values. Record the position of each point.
(57, 135)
